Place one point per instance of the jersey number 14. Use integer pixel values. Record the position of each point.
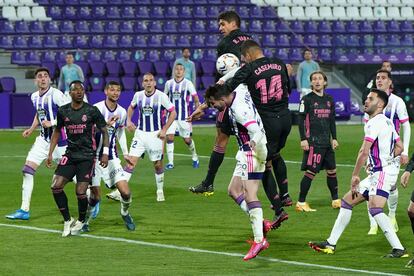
(275, 90)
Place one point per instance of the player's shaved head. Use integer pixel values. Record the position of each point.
(249, 46)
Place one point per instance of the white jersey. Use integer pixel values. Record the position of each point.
(244, 116)
(46, 106)
(180, 94)
(150, 108)
(380, 131)
(113, 130)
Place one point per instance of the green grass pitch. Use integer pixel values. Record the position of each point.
(214, 226)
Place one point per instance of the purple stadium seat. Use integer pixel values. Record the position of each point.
(84, 12)
(365, 27)
(81, 42)
(7, 27)
(269, 13)
(366, 41)
(211, 40)
(72, 2)
(111, 27)
(153, 56)
(282, 40)
(55, 12)
(268, 40)
(100, 2)
(98, 12)
(210, 55)
(125, 41)
(130, 68)
(169, 55)
(256, 12)
(207, 81)
(297, 26)
(198, 26)
(140, 27)
(282, 53)
(129, 84)
(324, 27)
(110, 41)
(155, 27)
(139, 41)
(243, 11)
(33, 58)
(126, 27)
(65, 42)
(108, 56)
(325, 54)
(338, 41)
(183, 41)
(97, 68)
(49, 56)
(84, 65)
(52, 27)
(156, 12)
(198, 41)
(161, 67)
(338, 27)
(393, 26)
(170, 27)
(185, 12)
(127, 12)
(82, 27)
(94, 56)
(255, 26)
(208, 68)
(69, 12)
(168, 41)
(22, 27)
(406, 26)
(6, 42)
(393, 40)
(97, 84)
(18, 58)
(8, 84)
(311, 27)
(407, 40)
(35, 27)
(145, 67)
(51, 66)
(20, 42)
(199, 12)
(352, 41)
(380, 41)
(211, 26)
(112, 12)
(268, 52)
(67, 27)
(142, 12)
(96, 42)
(113, 68)
(184, 26)
(325, 40)
(123, 55)
(379, 26)
(213, 12)
(35, 42)
(154, 41)
(60, 57)
(352, 26)
(296, 41)
(171, 12)
(295, 55)
(269, 26)
(310, 40)
(96, 27)
(50, 42)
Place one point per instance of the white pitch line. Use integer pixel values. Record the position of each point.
(190, 249)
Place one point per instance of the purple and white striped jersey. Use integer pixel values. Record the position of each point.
(46, 106)
(180, 94)
(380, 131)
(114, 131)
(150, 109)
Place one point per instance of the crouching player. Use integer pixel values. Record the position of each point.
(251, 157)
(113, 175)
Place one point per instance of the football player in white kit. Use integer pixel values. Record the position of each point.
(251, 157)
(113, 175)
(150, 131)
(382, 147)
(46, 102)
(396, 111)
(179, 91)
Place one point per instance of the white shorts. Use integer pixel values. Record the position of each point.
(378, 183)
(250, 165)
(40, 150)
(184, 128)
(146, 142)
(111, 175)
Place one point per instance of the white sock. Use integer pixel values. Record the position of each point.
(116, 193)
(192, 149)
(392, 203)
(170, 153)
(372, 222)
(125, 206)
(386, 227)
(159, 180)
(243, 206)
(256, 219)
(27, 189)
(342, 221)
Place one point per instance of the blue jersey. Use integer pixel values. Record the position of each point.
(180, 94)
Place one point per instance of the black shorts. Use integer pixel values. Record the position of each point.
(82, 168)
(223, 122)
(277, 129)
(318, 158)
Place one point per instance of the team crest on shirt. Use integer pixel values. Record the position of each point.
(176, 95)
(147, 110)
(67, 119)
(315, 104)
(84, 118)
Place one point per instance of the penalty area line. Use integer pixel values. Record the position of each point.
(196, 250)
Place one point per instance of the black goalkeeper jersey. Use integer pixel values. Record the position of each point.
(231, 43)
(317, 119)
(80, 129)
(268, 83)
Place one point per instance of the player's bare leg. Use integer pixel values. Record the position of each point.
(126, 200)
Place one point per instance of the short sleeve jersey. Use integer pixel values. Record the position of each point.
(80, 129)
(232, 42)
(180, 93)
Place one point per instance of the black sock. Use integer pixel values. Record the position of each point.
(61, 202)
(411, 216)
(332, 182)
(269, 185)
(280, 170)
(305, 186)
(92, 202)
(216, 159)
(82, 206)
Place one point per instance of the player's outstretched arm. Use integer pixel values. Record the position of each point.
(406, 128)
(105, 144)
(171, 118)
(130, 125)
(53, 142)
(198, 113)
(26, 133)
